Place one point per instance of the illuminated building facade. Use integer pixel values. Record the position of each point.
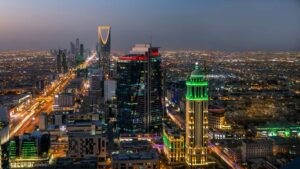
(104, 49)
(28, 151)
(174, 147)
(139, 91)
(282, 131)
(4, 156)
(216, 118)
(196, 119)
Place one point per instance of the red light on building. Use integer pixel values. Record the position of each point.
(155, 52)
(133, 58)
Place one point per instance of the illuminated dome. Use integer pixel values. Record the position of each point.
(197, 70)
(197, 74)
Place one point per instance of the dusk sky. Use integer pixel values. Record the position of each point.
(174, 24)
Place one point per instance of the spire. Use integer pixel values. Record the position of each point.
(196, 66)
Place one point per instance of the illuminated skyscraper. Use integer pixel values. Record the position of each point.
(104, 49)
(139, 90)
(196, 119)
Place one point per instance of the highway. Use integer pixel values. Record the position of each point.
(26, 119)
(223, 156)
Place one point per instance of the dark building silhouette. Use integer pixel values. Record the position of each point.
(139, 90)
(81, 50)
(61, 62)
(72, 48)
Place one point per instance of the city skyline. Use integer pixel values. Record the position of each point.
(212, 25)
(205, 85)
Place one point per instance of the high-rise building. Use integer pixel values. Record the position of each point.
(139, 90)
(81, 50)
(104, 49)
(59, 62)
(72, 48)
(196, 119)
(64, 62)
(109, 90)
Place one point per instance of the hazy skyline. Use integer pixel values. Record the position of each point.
(174, 24)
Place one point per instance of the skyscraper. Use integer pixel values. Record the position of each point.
(81, 50)
(59, 62)
(64, 62)
(139, 90)
(72, 48)
(104, 49)
(196, 119)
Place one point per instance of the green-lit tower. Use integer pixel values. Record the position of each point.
(196, 119)
(29, 150)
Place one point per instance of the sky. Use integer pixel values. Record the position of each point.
(231, 25)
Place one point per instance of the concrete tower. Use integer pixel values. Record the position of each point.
(104, 34)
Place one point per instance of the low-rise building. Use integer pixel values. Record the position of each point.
(83, 145)
(252, 149)
(129, 160)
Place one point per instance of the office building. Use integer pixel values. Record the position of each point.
(81, 50)
(64, 101)
(260, 148)
(109, 90)
(216, 118)
(29, 150)
(64, 62)
(139, 90)
(104, 33)
(84, 145)
(196, 119)
(59, 62)
(72, 48)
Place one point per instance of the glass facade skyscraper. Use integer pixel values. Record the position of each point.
(139, 90)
